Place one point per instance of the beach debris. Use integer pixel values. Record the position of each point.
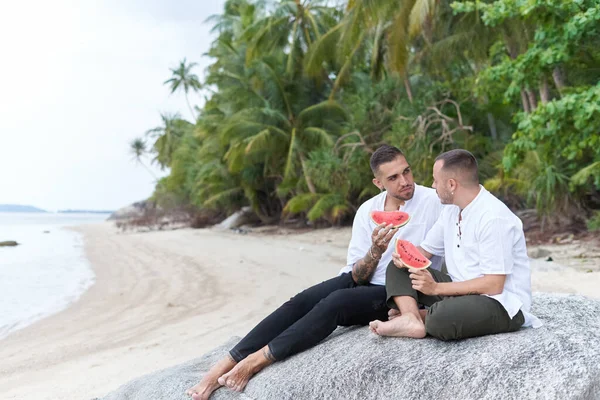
(8, 243)
(539, 253)
(242, 217)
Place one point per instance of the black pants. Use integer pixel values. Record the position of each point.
(452, 317)
(312, 315)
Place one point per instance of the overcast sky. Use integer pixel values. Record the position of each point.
(79, 79)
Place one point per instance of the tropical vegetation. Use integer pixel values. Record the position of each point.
(301, 92)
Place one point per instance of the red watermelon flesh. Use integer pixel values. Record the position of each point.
(396, 218)
(410, 255)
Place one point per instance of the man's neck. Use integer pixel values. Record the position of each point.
(467, 197)
(392, 203)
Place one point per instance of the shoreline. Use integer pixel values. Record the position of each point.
(163, 298)
(160, 298)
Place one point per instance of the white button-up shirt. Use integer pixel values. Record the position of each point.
(488, 239)
(424, 209)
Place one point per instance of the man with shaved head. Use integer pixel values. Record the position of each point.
(487, 289)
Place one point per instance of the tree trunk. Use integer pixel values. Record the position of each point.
(309, 183)
(190, 107)
(532, 99)
(525, 102)
(408, 88)
(492, 125)
(559, 80)
(544, 91)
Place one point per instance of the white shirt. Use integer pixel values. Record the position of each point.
(424, 209)
(489, 239)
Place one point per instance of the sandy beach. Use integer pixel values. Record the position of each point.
(162, 298)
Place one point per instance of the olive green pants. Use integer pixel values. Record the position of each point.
(452, 317)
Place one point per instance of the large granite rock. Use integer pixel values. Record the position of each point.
(561, 360)
(134, 210)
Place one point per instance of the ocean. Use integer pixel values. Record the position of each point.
(46, 272)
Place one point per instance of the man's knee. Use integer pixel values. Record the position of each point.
(440, 323)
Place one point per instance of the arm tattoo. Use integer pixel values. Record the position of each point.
(268, 355)
(363, 269)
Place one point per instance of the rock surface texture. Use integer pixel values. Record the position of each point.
(560, 360)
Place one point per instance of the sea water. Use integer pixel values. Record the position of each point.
(46, 272)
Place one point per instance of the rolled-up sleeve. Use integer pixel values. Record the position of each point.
(496, 242)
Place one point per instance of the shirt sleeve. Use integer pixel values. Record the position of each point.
(434, 241)
(496, 240)
(361, 237)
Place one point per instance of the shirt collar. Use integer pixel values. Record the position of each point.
(467, 210)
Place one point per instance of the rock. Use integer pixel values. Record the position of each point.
(538, 253)
(9, 243)
(561, 360)
(244, 216)
(134, 210)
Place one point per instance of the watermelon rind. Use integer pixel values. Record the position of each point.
(390, 212)
(408, 262)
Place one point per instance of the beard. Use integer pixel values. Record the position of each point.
(405, 195)
(445, 197)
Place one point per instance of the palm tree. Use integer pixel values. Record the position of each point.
(384, 29)
(183, 78)
(167, 137)
(137, 147)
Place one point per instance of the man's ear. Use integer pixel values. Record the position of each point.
(453, 184)
(377, 183)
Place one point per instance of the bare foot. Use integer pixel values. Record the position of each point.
(240, 375)
(407, 325)
(209, 382)
(393, 313)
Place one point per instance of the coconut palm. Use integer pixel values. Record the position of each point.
(137, 147)
(167, 137)
(183, 79)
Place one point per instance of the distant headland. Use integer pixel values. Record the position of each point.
(20, 208)
(85, 211)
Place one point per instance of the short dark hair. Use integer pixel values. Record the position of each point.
(462, 162)
(384, 154)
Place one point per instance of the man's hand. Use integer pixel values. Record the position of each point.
(381, 237)
(423, 281)
(397, 260)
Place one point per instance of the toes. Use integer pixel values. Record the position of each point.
(240, 387)
(222, 380)
(231, 383)
(191, 391)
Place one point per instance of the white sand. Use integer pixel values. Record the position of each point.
(162, 298)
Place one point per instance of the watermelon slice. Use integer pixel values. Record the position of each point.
(410, 255)
(396, 218)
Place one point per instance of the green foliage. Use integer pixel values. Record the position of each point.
(300, 94)
(593, 223)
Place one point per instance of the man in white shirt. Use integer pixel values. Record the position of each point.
(355, 297)
(488, 286)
